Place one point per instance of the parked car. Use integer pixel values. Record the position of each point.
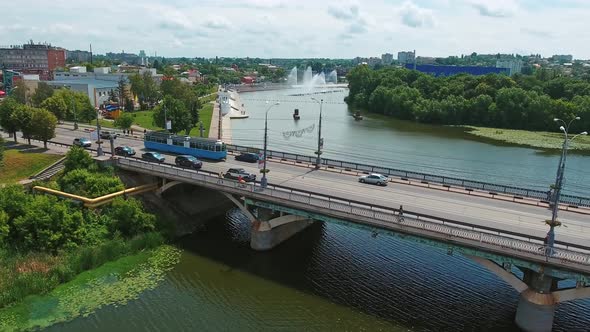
(153, 156)
(108, 134)
(83, 142)
(248, 157)
(235, 173)
(188, 161)
(124, 151)
(374, 178)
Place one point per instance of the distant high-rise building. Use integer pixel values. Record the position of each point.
(515, 66)
(142, 54)
(78, 56)
(563, 58)
(406, 57)
(387, 58)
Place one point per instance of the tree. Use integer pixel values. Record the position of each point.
(173, 110)
(125, 121)
(78, 158)
(1, 151)
(43, 125)
(20, 92)
(57, 105)
(70, 105)
(7, 121)
(23, 116)
(122, 90)
(43, 92)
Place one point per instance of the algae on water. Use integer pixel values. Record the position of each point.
(114, 283)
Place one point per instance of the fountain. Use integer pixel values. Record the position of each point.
(307, 76)
(332, 77)
(292, 78)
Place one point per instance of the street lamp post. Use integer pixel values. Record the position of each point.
(99, 151)
(318, 161)
(559, 183)
(264, 181)
(75, 116)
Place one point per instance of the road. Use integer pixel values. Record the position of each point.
(521, 218)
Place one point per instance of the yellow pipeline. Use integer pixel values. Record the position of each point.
(98, 201)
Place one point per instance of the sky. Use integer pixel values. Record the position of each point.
(303, 28)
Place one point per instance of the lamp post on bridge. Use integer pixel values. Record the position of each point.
(318, 160)
(264, 181)
(559, 182)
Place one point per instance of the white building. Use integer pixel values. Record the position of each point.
(513, 65)
(78, 69)
(387, 58)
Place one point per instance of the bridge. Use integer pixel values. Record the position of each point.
(278, 212)
(500, 227)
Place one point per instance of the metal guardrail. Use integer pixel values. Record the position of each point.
(424, 177)
(458, 231)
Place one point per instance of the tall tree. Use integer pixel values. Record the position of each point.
(43, 92)
(20, 92)
(122, 90)
(23, 116)
(7, 121)
(125, 121)
(173, 110)
(43, 125)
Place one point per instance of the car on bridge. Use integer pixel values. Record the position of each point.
(188, 161)
(236, 173)
(248, 157)
(83, 142)
(153, 156)
(108, 134)
(374, 178)
(125, 151)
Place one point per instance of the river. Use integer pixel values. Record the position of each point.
(332, 277)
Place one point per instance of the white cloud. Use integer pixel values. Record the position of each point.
(351, 14)
(495, 8)
(217, 22)
(416, 17)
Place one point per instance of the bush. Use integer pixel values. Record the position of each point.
(78, 158)
(128, 217)
(82, 182)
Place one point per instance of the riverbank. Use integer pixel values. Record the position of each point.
(533, 139)
(114, 283)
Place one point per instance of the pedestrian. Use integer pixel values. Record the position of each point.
(221, 175)
(549, 195)
(145, 131)
(401, 210)
(131, 131)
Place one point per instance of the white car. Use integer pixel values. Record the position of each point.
(374, 178)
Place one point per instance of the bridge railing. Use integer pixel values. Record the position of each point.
(383, 215)
(423, 177)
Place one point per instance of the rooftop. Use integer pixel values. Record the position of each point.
(89, 81)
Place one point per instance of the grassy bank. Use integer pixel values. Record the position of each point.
(20, 165)
(114, 283)
(534, 139)
(38, 273)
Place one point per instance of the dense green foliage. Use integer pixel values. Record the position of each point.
(173, 110)
(70, 105)
(78, 158)
(519, 102)
(89, 184)
(43, 92)
(125, 121)
(1, 151)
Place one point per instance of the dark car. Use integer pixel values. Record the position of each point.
(108, 134)
(188, 161)
(153, 156)
(124, 151)
(236, 173)
(248, 157)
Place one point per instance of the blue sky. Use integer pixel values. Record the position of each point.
(304, 28)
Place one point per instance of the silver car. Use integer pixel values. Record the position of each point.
(374, 178)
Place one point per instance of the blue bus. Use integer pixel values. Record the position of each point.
(194, 146)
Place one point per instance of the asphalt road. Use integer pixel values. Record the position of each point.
(521, 218)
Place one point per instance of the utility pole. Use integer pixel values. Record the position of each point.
(75, 116)
(264, 181)
(99, 151)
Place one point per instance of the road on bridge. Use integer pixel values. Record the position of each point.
(480, 211)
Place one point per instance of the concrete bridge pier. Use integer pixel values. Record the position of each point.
(271, 228)
(536, 306)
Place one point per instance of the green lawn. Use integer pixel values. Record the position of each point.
(20, 165)
(144, 119)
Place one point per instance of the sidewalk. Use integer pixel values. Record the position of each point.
(137, 130)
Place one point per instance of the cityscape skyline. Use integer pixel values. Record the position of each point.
(279, 29)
